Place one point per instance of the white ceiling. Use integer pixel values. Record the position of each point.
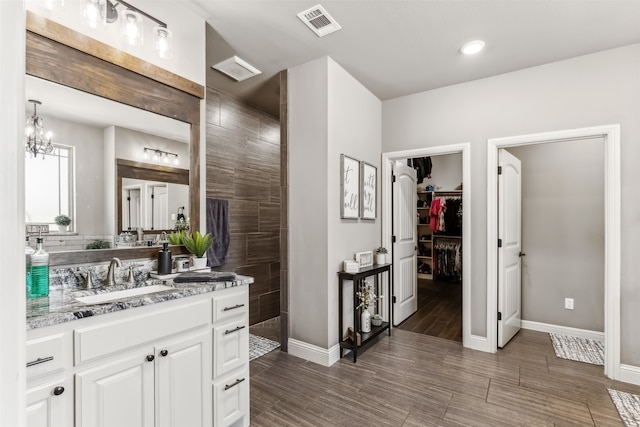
(400, 47)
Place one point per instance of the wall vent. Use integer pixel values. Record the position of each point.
(236, 68)
(319, 21)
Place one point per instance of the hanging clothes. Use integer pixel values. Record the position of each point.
(453, 216)
(423, 166)
(434, 213)
(447, 259)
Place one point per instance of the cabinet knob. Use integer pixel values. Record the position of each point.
(163, 353)
(150, 357)
(58, 390)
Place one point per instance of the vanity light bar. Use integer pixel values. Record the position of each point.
(160, 155)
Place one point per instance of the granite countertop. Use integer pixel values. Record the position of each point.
(61, 305)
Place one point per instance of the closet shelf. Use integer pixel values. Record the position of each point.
(423, 257)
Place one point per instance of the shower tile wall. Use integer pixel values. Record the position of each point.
(243, 166)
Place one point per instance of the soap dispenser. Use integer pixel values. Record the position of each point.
(28, 252)
(164, 259)
(39, 271)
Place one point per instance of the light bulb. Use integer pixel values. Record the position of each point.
(132, 27)
(146, 154)
(156, 156)
(163, 42)
(94, 13)
(165, 158)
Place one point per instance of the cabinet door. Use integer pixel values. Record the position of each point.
(183, 382)
(50, 404)
(117, 394)
(231, 397)
(230, 346)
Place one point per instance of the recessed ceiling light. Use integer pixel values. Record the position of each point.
(472, 47)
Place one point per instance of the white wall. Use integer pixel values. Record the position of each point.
(12, 267)
(188, 34)
(586, 91)
(330, 113)
(563, 232)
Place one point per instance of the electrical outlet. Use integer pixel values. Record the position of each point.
(568, 303)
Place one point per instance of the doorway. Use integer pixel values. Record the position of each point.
(438, 210)
(610, 135)
(387, 222)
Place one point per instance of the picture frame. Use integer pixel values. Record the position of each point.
(349, 187)
(368, 191)
(364, 259)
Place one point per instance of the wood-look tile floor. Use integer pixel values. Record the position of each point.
(412, 379)
(439, 310)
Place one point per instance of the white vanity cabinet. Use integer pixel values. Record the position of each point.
(164, 385)
(231, 359)
(49, 385)
(183, 362)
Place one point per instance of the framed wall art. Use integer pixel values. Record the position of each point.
(349, 187)
(368, 188)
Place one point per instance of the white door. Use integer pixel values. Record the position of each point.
(182, 385)
(510, 251)
(405, 284)
(117, 394)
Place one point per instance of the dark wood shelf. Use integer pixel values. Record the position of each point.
(358, 279)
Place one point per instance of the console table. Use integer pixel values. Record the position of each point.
(377, 272)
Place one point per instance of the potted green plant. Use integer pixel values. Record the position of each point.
(381, 255)
(175, 237)
(63, 222)
(198, 244)
(98, 244)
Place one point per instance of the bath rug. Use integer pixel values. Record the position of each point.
(628, 406)
(259, 346)
(577, 348)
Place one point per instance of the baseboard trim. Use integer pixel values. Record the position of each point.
(313, 353)
(476, 342)
(564, 330)
(630, 374)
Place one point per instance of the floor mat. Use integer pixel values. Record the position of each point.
(628, 406)
(259, 346)
(579, 349)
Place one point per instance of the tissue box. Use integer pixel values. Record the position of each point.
(350, 266)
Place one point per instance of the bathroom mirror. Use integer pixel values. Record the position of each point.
(96, 131)
(57, 54)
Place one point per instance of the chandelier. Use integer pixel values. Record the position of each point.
(37, 142)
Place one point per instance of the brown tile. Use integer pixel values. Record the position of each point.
(262, 156)
(269, 218)
(213, 107)
(269, 305)
(274, 276)
(244, 216)
(220, 181)
(269, 129)
(275, 189)
(254, 310)
(238, 117)
(237, 250)
(250, 186)
(263, 247)
(225, 146)
(261, 281)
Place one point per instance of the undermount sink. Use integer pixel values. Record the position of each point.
(127, 293)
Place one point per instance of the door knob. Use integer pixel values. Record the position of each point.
(150, 357)
(163, 353)
(58, 390)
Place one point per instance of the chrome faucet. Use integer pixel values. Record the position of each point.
(115, 262)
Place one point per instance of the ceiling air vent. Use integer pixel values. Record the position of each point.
(237, 68)
(319, 21)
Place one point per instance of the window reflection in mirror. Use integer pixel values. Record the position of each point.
(96, 131)
(49, 186)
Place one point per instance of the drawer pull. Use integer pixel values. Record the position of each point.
(150, 357)
(227, 386)
(163, 353)
(58, 390)
(227, 332)
(233, 308)
(39, 361)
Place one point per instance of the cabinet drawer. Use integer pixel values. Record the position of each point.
(231, 398)
(228, 305)
(47, 354)
(230, 346)
(116, 336)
